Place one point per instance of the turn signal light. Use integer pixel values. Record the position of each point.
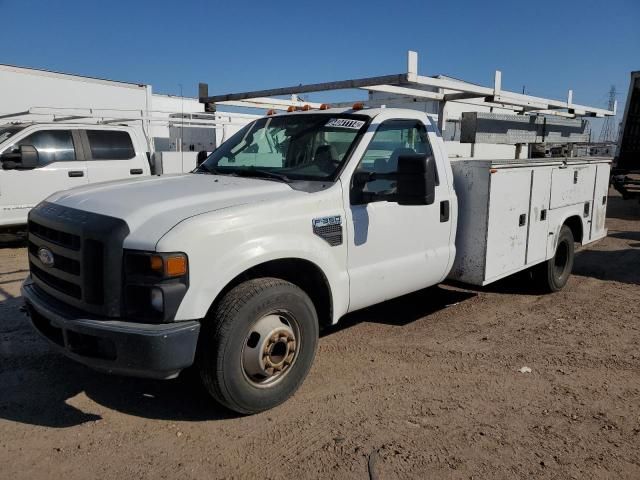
(172, 266)
(157, 265)
(358, 106)
(176, 266)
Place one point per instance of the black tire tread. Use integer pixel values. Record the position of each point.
(546, 269)
(219, 324)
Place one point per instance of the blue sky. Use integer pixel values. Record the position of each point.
(547, 46)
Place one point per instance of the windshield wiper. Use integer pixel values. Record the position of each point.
(252, 171)
(203, 168)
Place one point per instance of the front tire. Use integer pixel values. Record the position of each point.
(555, 272)
(258, 346)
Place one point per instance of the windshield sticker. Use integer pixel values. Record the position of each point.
(345, 123)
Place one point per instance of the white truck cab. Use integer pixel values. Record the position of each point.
(294, 221)
(39, 159)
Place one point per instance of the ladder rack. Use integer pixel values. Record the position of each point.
(410, 85)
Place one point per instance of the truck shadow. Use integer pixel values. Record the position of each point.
(611, 265)
(404, 310)
(521, 283)
(623, 209)
(52, 396)
(39, 386)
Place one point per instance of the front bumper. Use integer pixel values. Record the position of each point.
(121, 347)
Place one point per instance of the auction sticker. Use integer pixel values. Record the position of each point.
(345, 123)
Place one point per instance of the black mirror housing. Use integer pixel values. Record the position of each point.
(25, 158)
(28, 156)
(416, 180)
(201, 157)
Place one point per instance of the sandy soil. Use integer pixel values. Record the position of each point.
(426, 386)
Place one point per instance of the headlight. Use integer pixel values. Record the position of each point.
(154, 285)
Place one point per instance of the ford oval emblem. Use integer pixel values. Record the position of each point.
(46, 257)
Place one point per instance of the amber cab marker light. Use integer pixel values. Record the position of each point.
(358, 106)
(306, 107)
(291, 109)
(493, 170)
(271, 112)
(325, 106)
(176, 266)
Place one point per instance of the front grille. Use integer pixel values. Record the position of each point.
(86, 249)
(55, 236)
(63, 263)
(59, 284)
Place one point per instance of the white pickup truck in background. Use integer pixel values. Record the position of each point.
(40, 158)
(296, 220)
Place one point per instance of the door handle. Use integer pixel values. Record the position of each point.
(522, 221)
(76, 173)
(135, 171)
(444, 211)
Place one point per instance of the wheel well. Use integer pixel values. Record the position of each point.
(575, 225)
(303, 273)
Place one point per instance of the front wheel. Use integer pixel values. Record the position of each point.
(259, 345)
(554, 273)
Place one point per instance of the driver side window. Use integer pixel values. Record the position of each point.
(392, 139)
(52, 146)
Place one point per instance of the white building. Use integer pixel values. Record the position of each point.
(35, 94)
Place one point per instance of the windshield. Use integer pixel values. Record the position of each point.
(289, 147)
(8, 132)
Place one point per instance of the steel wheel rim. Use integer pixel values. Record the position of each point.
(270, 348)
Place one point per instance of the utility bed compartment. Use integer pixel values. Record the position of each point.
(509, 211)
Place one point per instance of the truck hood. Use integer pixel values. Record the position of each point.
(153, 205)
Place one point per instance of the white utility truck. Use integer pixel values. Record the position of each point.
(296, 220)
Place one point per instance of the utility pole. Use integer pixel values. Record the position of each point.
(609, 128)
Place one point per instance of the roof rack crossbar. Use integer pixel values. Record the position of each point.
(410, 84)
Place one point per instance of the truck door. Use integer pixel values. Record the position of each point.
(394, 249)
(61, 166)
(600, 195)
(509, 211)
(112, 156)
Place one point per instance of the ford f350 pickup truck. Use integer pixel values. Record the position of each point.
(296, 220)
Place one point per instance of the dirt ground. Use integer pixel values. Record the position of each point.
(425, 386)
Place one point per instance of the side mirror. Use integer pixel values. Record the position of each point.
(26, 157)
(416, 180)
(202, 156)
